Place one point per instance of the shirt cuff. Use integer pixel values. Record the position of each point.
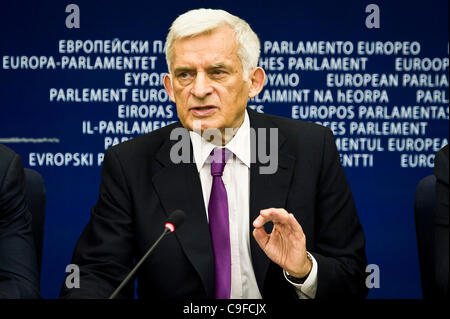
(307, 290)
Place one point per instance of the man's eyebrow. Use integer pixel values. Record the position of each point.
(218, 65)
(182, 69)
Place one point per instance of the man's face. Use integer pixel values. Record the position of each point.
(207, 81)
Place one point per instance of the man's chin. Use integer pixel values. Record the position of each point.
(204, 124)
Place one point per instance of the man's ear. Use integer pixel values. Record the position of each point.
(257, 78)
(168, 86)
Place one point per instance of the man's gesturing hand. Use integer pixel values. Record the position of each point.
(286, 244)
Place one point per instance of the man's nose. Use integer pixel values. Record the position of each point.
(201, 86)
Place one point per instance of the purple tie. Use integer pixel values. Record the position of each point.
(219, 226)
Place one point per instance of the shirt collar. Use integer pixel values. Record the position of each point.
(239, 145)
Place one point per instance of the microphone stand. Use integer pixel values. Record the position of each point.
(131, 274)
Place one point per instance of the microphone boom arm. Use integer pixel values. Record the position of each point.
(131, 274)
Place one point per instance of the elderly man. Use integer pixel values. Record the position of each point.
(290, 233)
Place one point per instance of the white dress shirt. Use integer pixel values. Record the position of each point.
(236, 178)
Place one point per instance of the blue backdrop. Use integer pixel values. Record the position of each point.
(40, 122)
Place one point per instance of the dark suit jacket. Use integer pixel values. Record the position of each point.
(441, 217)
(141, 187)
(18, 264)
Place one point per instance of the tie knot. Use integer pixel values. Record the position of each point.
(218, 161)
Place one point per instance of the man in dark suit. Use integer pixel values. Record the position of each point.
(18, 265)
(441, 252)
(292, 232)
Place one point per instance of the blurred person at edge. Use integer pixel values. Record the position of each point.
(19, 277)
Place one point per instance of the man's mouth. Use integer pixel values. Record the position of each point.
(202, 111)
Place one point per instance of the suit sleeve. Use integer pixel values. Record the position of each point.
(104, 252)
(19, 276)
(340, 243)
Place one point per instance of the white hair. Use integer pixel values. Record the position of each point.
(198, 21)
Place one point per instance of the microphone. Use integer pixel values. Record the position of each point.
(173, 222)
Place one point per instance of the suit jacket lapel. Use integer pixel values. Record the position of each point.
(179, 187)
(266, 191)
